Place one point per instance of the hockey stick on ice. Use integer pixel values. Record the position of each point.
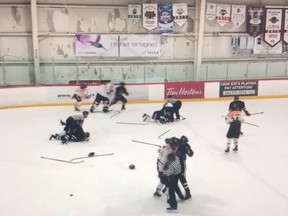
(251, 124)
(99, 155)
(64, 161)
(133, 123)
(163, 133)
(146, 143)
(256, 113)
(118, 112)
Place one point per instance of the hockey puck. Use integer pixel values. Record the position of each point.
(132, 166)
(71, 194)
(91, 154)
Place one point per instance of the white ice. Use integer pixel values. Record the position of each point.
(252, 182)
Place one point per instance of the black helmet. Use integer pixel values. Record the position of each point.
(83, 85)
(184, 139)
(122, 84)
(87, 135)
(85, 114)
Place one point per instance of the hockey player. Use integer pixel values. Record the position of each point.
(104, 94)
(77, 135)
(73, 121)
(183, 149)
(234, 119)
(163, 116)
(120, 91)
(161, 161)
(80, 93)
(238, 105)
(176, 104)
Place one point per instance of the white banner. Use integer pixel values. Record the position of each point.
(223, 14)
(150, 17)
(134, 12)
(140, 45)
(211, 11)
(180, 13)
(238, 15)
(285, 34)
(273, 26)
(96, 45)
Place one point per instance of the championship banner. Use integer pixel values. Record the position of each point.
(96, 45)
(285, 30)
(273, 26)
(238, 15)
(165, 18)
(134, 12)
(240, 88)
(150, 15)
(254, 20)
(140, 45)
(184, 90)
(223, 13)
(211, 11)
(180, 13)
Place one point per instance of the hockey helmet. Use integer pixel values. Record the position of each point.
(122, 84)
(83, 85)
(85, 114)
(169, 96)
(184, 139)
(87, 135)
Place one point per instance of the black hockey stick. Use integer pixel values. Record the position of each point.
(133, 123)
(118, 112)
(256, 113)
(164, 133)
(64, 161)
(99, 155)
(146, 143)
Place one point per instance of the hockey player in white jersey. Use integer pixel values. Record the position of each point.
(104, 94)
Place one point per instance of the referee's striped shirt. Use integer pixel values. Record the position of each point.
(174, 168)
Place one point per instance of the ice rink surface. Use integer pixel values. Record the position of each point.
(252, 182)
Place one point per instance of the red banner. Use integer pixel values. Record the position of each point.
(184, 90)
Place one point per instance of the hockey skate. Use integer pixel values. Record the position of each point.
(157, 194)
(171, 209)
(123, 107)
(188, 195)
(235, 149)
(145, 117)
(77, 109)
(227, 150)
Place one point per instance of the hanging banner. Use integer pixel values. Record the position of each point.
(223, 13)
(211, 11)
(273, 26)
(146, 45)
(165, 18)
(134, 12)
(238, 15)
(180, 13)
(96, 45)
(254, 20)
(150, 20)
(285, 30)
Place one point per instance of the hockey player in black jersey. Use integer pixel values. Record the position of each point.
(73, 121)
(238, 105)
(163, 116)
(77, 135)
(120, 91)
(176, 105)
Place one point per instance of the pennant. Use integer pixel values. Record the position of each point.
(180, 13)
(134, 12)
(211, 11)
(285, 30)
(150, 16)
(273, 26)
(254, 20)
(238, 15)
(223, 14)
(165, 18)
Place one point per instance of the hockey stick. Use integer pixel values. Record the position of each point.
(251, 124)
(118, 112)
(64, 161)
(256, 113)
(146, 143)
(100, 155)
(163, 133)
(133, 123)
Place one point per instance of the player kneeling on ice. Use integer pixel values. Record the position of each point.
(77, 135)
(163, 116)
(73, 121)
(176, 105)
(120, 91)
(234, 119)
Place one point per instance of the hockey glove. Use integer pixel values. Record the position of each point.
(247, 113)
